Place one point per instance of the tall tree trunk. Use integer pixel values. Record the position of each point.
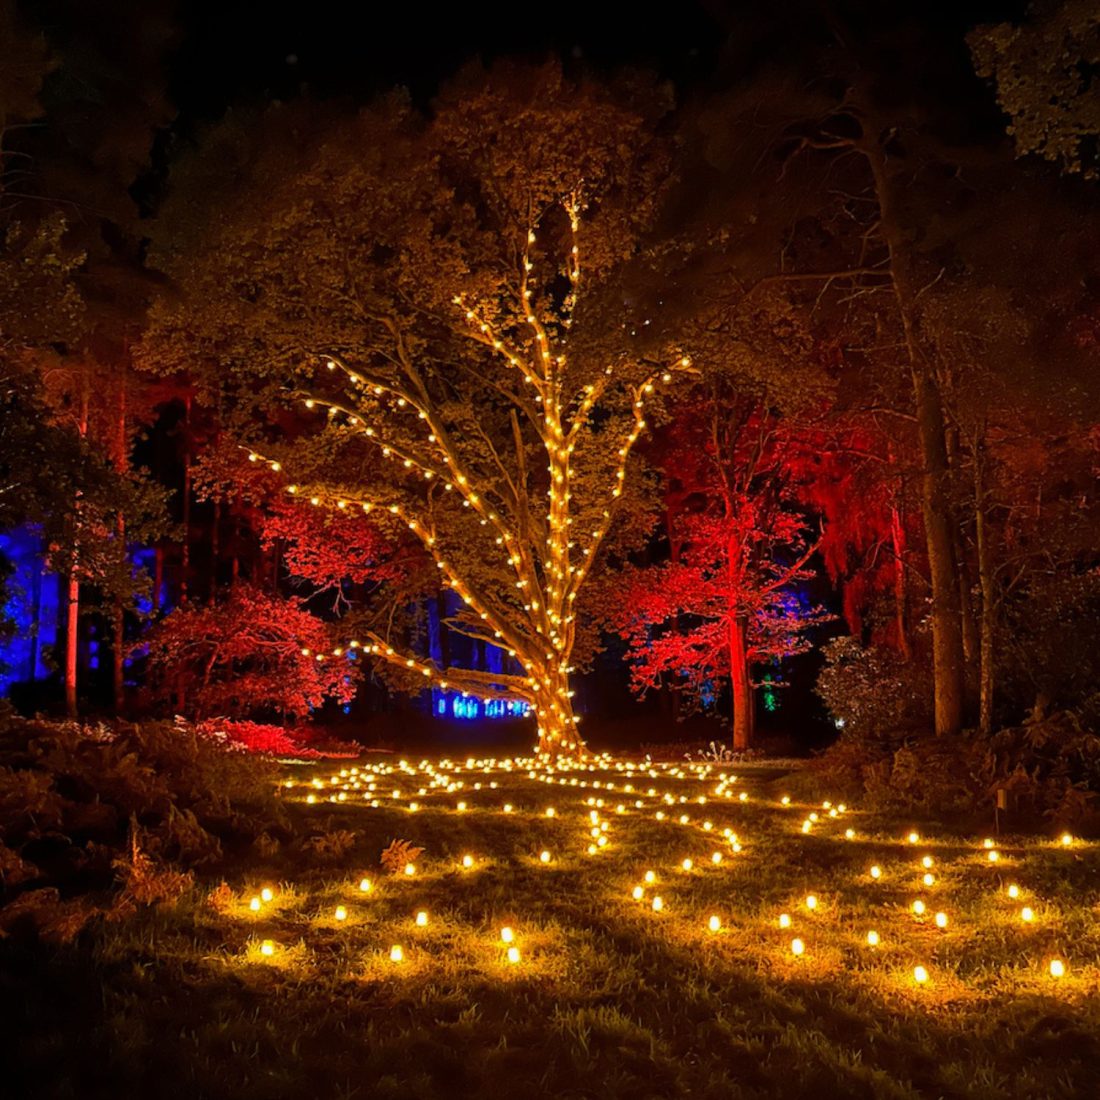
(740, 684)
(989, 606)
(947, 643)
(901, 583)
(215, 551)
(118, 615)
(72, 622)
(185, 549)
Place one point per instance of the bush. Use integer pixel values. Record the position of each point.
(82, 807)
(869, 689)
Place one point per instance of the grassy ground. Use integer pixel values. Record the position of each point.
(608, 998)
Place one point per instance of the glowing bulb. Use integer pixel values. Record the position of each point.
(914, 838)
(716, 858)
(507, 935)
(797, 947)
(544, 856)
(987, 843)
(396, 953)
(550, 811)
(1026, 915)
(467, 861)
(254, 905)
(658, 904)
(811, 902)
(637, 893)
(941, 920)
(687, 865)
(422, 919)
(714, 924)
(1057, 968)
(267, 947)
(650, 877)
(920, 975)
(1066, 839)
(784, 920)
(918, 907)
(1013, 891)
(994, 855)
(929, 879)
(365, 885)
(410, 868)
(876, 871)
(786, 800)
(872, 938)
(513, 954)
(341, 913)
(926, 863)
(267, 893)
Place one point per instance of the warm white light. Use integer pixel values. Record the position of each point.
(918, 907)
(467, 861)
(687, 865)
(872, 938)
(267, 947)
(876, 871)
(784, 920)
(544, 856)
(941, 920)
(254, 905)
(365, 885)
(1027, 915)
(637, 893)
(507, 935)
(396, 953)
(914, 838)
(422, 919)
(920, 975)
(1057, 968)
(410, 868)
(341, 913)
(811, 902)
(650, 877)
(1066, 839)
(929, 879)
(714, 924)
(267, 893)
(658, 904)
(797, 947)
(1013, 891)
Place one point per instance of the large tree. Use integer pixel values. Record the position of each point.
(460, 279)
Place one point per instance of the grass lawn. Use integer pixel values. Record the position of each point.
(607, 997)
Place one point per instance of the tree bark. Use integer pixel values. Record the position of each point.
(947, 641)
(986, 672)
(72, 622)
(740, 684)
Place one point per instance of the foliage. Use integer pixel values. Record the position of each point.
(871, 691)
(268, 740)
(245, 656)
(86, 811)
(398, 854)
(1043, 69)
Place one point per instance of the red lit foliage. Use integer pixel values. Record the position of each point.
(245, 657)
(726, 600)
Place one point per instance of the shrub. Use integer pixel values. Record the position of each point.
(872, 689)
(75, 802)
(255, 654)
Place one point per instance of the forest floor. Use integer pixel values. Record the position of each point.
(605, 996)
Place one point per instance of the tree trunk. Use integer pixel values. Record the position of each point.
(901, 583)
(72, 638)
(185, 550)
(947, 641)
(988, 611)
(557, 725)
(740, 685)
(118, 613)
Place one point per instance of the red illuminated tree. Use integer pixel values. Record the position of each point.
(727, 599)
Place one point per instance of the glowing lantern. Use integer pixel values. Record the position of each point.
(267, 948)
(341, 913)
(876, 871)
(513, 954)
(872, 938)
(507, 935)
(467, 861)
(1026, 915)
(811, 902)
(410, 868)
(784, 920)
(365, 885)
(658, 904)
(1057, 968)
(797, 947)
(920, 975)
(1013, 891)
(254, 905)
(267, 893)
(714, 924)
(918, 907)
(396, 953)
(941, 920)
